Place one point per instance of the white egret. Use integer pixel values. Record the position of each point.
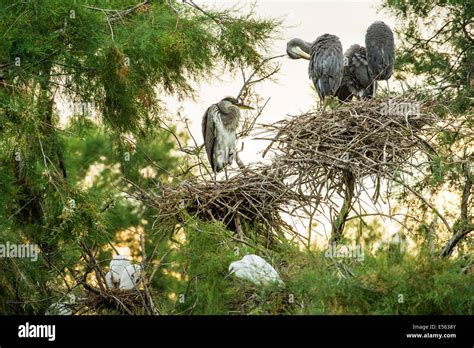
(117, 266)
(130, 277)
(256, 270)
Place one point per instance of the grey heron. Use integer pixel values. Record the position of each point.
(326, 62)
(356, 79)
(219, 127)
(380, 46)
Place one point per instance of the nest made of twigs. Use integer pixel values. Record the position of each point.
(255, 195)
(360, 137)
(120, 301)
(315, 155)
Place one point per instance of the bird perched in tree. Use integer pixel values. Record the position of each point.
(219, 127)
(356, 79)
(256, 270)
(326, 62)
(380, 46)
(117, 266)
(130, 277)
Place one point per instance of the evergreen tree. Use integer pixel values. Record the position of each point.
(440, 53)
(114, 60)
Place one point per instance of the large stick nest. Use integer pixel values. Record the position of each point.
(361, 137)
(121, 301)
(256, 195)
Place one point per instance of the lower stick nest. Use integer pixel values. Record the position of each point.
(256, 195)
(124, 302)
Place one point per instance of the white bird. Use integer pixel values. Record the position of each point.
(256, 270)
(117, 266)
(130, 277)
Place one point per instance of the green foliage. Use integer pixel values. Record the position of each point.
(65, 187)
(439, 50)
(117, 64)
(413, 284)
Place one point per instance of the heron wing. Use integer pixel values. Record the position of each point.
(360, 68)
(335, 63)
(209, 132)
(380, 46)
(326, 65)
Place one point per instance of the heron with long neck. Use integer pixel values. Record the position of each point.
(326, 62)
(219, 128)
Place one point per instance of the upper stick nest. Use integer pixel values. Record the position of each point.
(362, 137)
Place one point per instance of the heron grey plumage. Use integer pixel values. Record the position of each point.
(380, 46)
(356, 79)
(219, 127)
(326, 65)
(326, 62)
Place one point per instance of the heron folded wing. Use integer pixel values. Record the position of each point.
(380, 45)
(360, 69)
(208, 133)
(326, 66)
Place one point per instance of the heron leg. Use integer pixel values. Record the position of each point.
(323, 104)
(225, 172)
(388, 89)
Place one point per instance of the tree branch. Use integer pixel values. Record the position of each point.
(463, 225)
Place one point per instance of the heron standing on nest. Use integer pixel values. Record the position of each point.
(219, 127)
(326, 62)
(380, 46)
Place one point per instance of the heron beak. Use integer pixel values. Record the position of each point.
(228, 275)
(298, 51)
(245, 107)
